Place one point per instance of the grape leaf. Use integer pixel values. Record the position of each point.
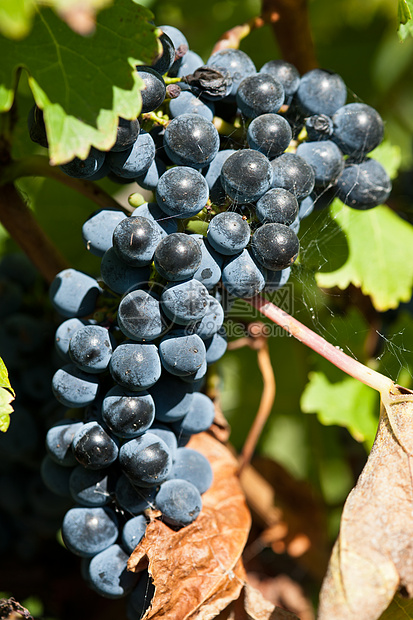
(372, 557)
(399, 609)
(347, 403)
(390, 157)
(405, 11)
(6, 397)
(81, 83)
(380, 255)
(16, 16)
(193, 569)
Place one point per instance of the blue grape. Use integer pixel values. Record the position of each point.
(134, 500)
(182, 354)
(197, 376)
(184, 302)
(293, 173)
(212, 322)
(84, 168)
(97, 231)
(212, 174)
(199, 417)
(128, 414)
(90, 487)
(90, 348)
(325, 158)
(73, 293)
(228, 233)
(59, 441)
(150, 179)
(242, 276)
(363, 185)
(191, 140)
(135, 366)
(166, 59)
(182, 192)
(277, 279)
(108, 574)
(193, 467)
(93, 447)
(358, 129)
(73, 387)
(167, 225)
(246, 175)
(209, 271)
(139, 316)
(188, 103)
(215, 347)
(278, 206)
(176, 36)
(172, 398)
(321, 92)
(275, 246)
(269, 134)
(127, 134)
(259, 94)
(177, 257)
(135, 240)
(179, 501)
(87, 531)
(153, 91)
(285, 73)
(136, 160)
(119, 276)
(146, 460)
(165, 433)
(236, 63)
(133, 532)
(306, 207)
(55, 477)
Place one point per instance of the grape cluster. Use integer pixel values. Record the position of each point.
(137, 341)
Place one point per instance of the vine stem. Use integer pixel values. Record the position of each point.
(304, 334)
(20, 222)
(38, 165)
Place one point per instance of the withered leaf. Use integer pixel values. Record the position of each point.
(251, 605)
(197, 565)
(373, 555)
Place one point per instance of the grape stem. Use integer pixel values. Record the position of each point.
(20, 222)
(304, 334)
(38, 165)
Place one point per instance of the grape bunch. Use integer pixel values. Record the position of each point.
(137, 341)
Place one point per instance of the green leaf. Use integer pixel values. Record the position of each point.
(6, 397)
(403, 11)
(380, 255)
(16, 16)
(347, 403)
(390, 157)
(399, 609)
(82, 83)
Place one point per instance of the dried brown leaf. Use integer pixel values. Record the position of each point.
(373, 555)
(251, 605)
(195, 566)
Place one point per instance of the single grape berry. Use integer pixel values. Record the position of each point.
(154, 90)
(191, 140)
(182, 354)
(285, 73)
(97, 231)
(179, 501)
(270, 134)
(146, 460)
(358, 129)
(321, 92)
(135, 240)
(139, 316)
(246, 175)
(364, 185)
(259, 94)
(90, 348)
(177, 257)
(135, 366)
(93, 447)
(128, 414)
(166, 58)
(228, 233)
(325, 158)
(242, 276)
(275, 246)
(277, 206)
(237, 63)
(127, 134)
(293, 173)
(185, 302)
(87, 531)
(182, 192)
